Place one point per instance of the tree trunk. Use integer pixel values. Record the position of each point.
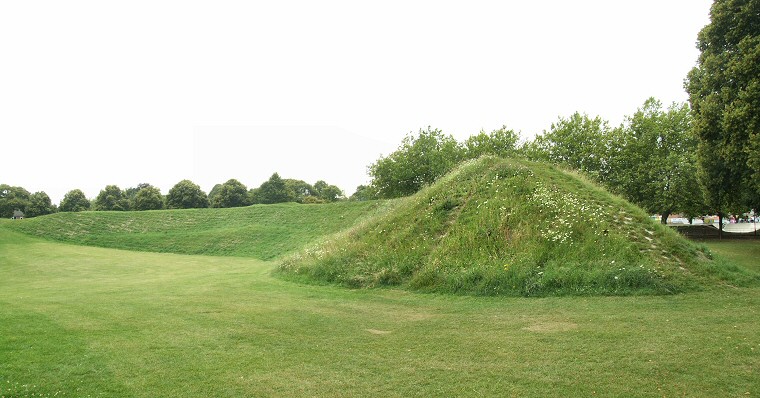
(664, 218)
(720, 225)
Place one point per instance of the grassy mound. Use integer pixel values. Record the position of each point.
(262, 231)
(509, 227)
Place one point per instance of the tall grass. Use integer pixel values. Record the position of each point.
(509, 227)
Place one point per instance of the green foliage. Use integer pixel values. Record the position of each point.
(273, 190)
(299, 190)
(364, 192)
(230, 194)
(331, 193)
(39, 205)
(253, 196)
(655, 164)
(319, 186)
(578, 142)
(263, 232)
(724, 90)
(186, 195)
(13, 198)
(650, 159)
(148, 198)
(131, 192)
(501, 142)
(111, 198)
(508, 227)
(74, 201)
(327, 192)
(419, 161)
(214, 191)
(312, 200)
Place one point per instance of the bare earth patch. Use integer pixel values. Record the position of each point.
(548, 327)
(375, 331)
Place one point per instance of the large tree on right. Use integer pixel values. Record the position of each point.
(724, 91)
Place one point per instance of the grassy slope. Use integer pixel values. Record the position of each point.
(745, 253)
(80, 321)
(262, 231)
(497, 226)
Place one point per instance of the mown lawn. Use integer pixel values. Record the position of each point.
(81, 321)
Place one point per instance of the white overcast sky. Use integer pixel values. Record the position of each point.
(94, 93)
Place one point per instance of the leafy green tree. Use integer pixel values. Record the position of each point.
(327, 192)
(419, 161)
(724, 91)
(649, 160)
(74, 200)
(299, 190)
(364, 192)
(655, 166)
(131, 193)
(148, 197)
(13, 198)
(230, 194)
(501, 142)
(579, 142)
(213, 192)
(273, 190)
(331, 193)
(186, 195)
(319, 186)
(39, 205)
(253, 196)
(111, 198)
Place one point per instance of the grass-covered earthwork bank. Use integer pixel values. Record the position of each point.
(82, 321)
(507, 227)
(260, 231)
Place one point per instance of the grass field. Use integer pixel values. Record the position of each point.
(744, 252)
(81, 321)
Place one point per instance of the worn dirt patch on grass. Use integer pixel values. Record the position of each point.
(551, 326)
(375, 331)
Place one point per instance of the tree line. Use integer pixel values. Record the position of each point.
(697, 158)
(650, 159)
(183, 195)
(18, 198)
